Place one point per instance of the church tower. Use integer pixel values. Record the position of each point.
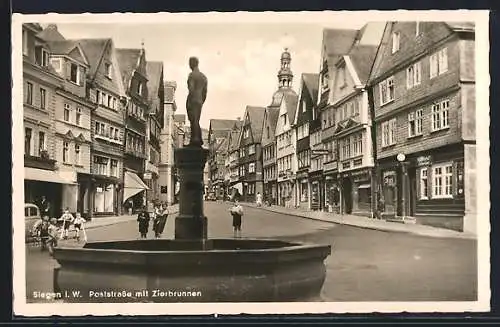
(285, 75)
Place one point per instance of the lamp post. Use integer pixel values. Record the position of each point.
(401, 157)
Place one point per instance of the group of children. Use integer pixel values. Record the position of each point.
(159, 217)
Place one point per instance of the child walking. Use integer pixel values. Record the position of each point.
(143, 219)
(237, 212)
(67, 218)
(79, 224)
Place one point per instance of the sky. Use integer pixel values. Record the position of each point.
(240, 60)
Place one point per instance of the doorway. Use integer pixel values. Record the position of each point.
(412, 174)
(347, 195)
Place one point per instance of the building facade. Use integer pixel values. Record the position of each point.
(235, 187)
(134, 73)
(269, 164)
(423, 88)
(250, 154)
(154, 126)
(171, 137)
(217, 146)
(286, 99)
(303, 117)
(105, 89)
(72, 122)
(40, 82)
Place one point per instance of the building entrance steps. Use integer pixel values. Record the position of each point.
(365, 222)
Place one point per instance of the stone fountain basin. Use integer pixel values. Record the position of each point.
(217, 270)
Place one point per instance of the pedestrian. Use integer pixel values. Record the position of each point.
(259, 199)
(237, 212)
(44, 208)
(164, 212)
(79, 224)
(157, 213)
(143, 219)
(66, 218)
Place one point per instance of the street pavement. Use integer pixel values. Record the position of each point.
(365, 265)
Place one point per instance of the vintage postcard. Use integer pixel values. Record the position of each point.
(227, 163)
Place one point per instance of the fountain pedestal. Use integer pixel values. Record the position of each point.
(191, 223)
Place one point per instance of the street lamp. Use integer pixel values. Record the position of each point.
(401, 157)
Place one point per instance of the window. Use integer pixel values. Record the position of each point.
(101, 165)
(357, 144)
(438, 63)
(346, 148)
(43, 98)
(139, 88)
(25, 42)
(45, 58)
(27, 140)
(413, 75)
(415, 123)
(67, 108)
(29, 93)
(41, 142)
(284, 119)
(65, 152)
(442, 181)
(110, 100)
(395, 42)
(389, 132)
(98, 97)
(74, 74)
(114, 168)
(77, 154)
(108, 69)
(246, 132)
(242, 153)
(303, 106)
(386, 90)
(424, 184)
(56, 64)
(78, 118)
(440, 115)
(417, 28)
(251, 168)
(251, 149)
(114, 104)
(268, 133)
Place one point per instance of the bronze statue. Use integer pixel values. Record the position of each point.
(197, 86)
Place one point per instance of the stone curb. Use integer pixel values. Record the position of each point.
(437, 233)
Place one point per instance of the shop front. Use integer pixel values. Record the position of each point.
(428, 188)
(134, 192)
(356, 191)
(270, 191)
(303, 191)
(317, 195)
(332, 193)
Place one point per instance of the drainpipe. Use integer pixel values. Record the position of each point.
(374, 171)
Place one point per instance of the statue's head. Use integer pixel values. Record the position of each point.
(193, 62)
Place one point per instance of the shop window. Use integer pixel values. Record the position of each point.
(442, 181)
(424, 186)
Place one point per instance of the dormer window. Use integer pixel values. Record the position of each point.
(304, 106)
(75, 74)
(139, 88)
(395, 42)
(247, 132)
(108, 70)
(42, 56)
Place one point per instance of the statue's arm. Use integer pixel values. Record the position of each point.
(190, 83)
(204, 94)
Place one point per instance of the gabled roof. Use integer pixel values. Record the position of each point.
(222, 124)
(170, 87)
(94, 50)
(291, 105)
(362, 57)
(234, 145)
(154, 70)
(128, 59)
(272, 119)
(50, 33)
(256, 117)
(67, 47)
(337, 42)
(311, 82)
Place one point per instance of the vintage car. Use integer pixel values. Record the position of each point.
(31, 216)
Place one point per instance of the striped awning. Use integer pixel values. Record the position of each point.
(43, 175)
(133, 184)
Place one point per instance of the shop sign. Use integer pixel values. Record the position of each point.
(424, 161)
(148, 175)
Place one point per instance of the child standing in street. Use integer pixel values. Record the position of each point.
(237, 212)
(66, 218)
(79, 224)
(143, 219)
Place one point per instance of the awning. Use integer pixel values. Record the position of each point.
(42, 175)
(239, 187)
(364, 186)
(132, 185)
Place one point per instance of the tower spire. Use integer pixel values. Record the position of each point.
(285, 75)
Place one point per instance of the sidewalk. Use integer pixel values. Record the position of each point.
(365, 222)
(97, 222)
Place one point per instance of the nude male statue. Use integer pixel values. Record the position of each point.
(197, 86)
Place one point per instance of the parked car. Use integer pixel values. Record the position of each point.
(31, 216)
